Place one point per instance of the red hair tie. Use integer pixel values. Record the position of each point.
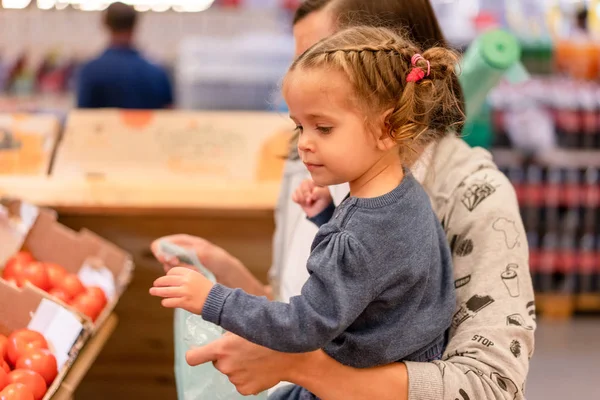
(416, 73)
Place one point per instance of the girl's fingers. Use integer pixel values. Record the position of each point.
(169, 280)
(176, 302)
(166, 291)
(178, 271)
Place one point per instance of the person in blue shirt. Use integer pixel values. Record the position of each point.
(120, 77)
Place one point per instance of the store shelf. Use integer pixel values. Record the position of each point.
(553, 158)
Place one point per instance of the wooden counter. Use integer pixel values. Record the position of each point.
(132, 197)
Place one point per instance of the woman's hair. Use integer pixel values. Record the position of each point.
(416, 17)
(377, 62)
(308, 7)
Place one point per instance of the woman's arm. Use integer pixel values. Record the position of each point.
(253, 369)
(238, 276)
(492, 334)
(330, 380)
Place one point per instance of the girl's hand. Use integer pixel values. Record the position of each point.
(312, 198)
(217, 260)
(182, 288)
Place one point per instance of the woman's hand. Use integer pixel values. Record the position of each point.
(250, 367)
(254, 369)
(213, 257)
(182, 288)
(312, 198)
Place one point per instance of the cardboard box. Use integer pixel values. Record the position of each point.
(65, 331)
(96, 261)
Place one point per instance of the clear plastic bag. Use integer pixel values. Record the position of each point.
(202, 382)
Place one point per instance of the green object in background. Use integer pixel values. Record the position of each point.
(491, 56)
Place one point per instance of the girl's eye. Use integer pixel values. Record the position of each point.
(324, 129)
(298, 129)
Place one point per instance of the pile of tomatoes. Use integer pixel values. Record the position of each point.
(27, 367)
(55, 280)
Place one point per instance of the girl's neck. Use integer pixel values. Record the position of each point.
(383, 177)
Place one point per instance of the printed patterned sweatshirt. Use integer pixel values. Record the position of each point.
(492, 333)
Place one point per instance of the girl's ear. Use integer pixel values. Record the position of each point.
(384, 132)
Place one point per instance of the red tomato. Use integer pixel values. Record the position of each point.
(3, 347)
(23, 340)
(15, 264)
(41, 361)
(3, 379)
(4, 366)
(16, 391)
(56, 273)
(32, 380)
(95, 291)
(89, 305)
(60, 294)
(71, 285)
(36, 274)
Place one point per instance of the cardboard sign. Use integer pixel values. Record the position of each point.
(167, 144)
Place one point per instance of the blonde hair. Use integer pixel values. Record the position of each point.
(377, 62)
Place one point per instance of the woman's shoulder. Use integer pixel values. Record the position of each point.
(467, 178)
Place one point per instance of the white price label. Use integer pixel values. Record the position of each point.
(60, 327)
(98, 276)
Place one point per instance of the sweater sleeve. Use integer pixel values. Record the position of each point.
(492, 334)
(324, 216)
(336, 293)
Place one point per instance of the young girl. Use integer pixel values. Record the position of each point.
(381, 286)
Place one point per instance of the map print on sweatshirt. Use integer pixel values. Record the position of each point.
(509, 229)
